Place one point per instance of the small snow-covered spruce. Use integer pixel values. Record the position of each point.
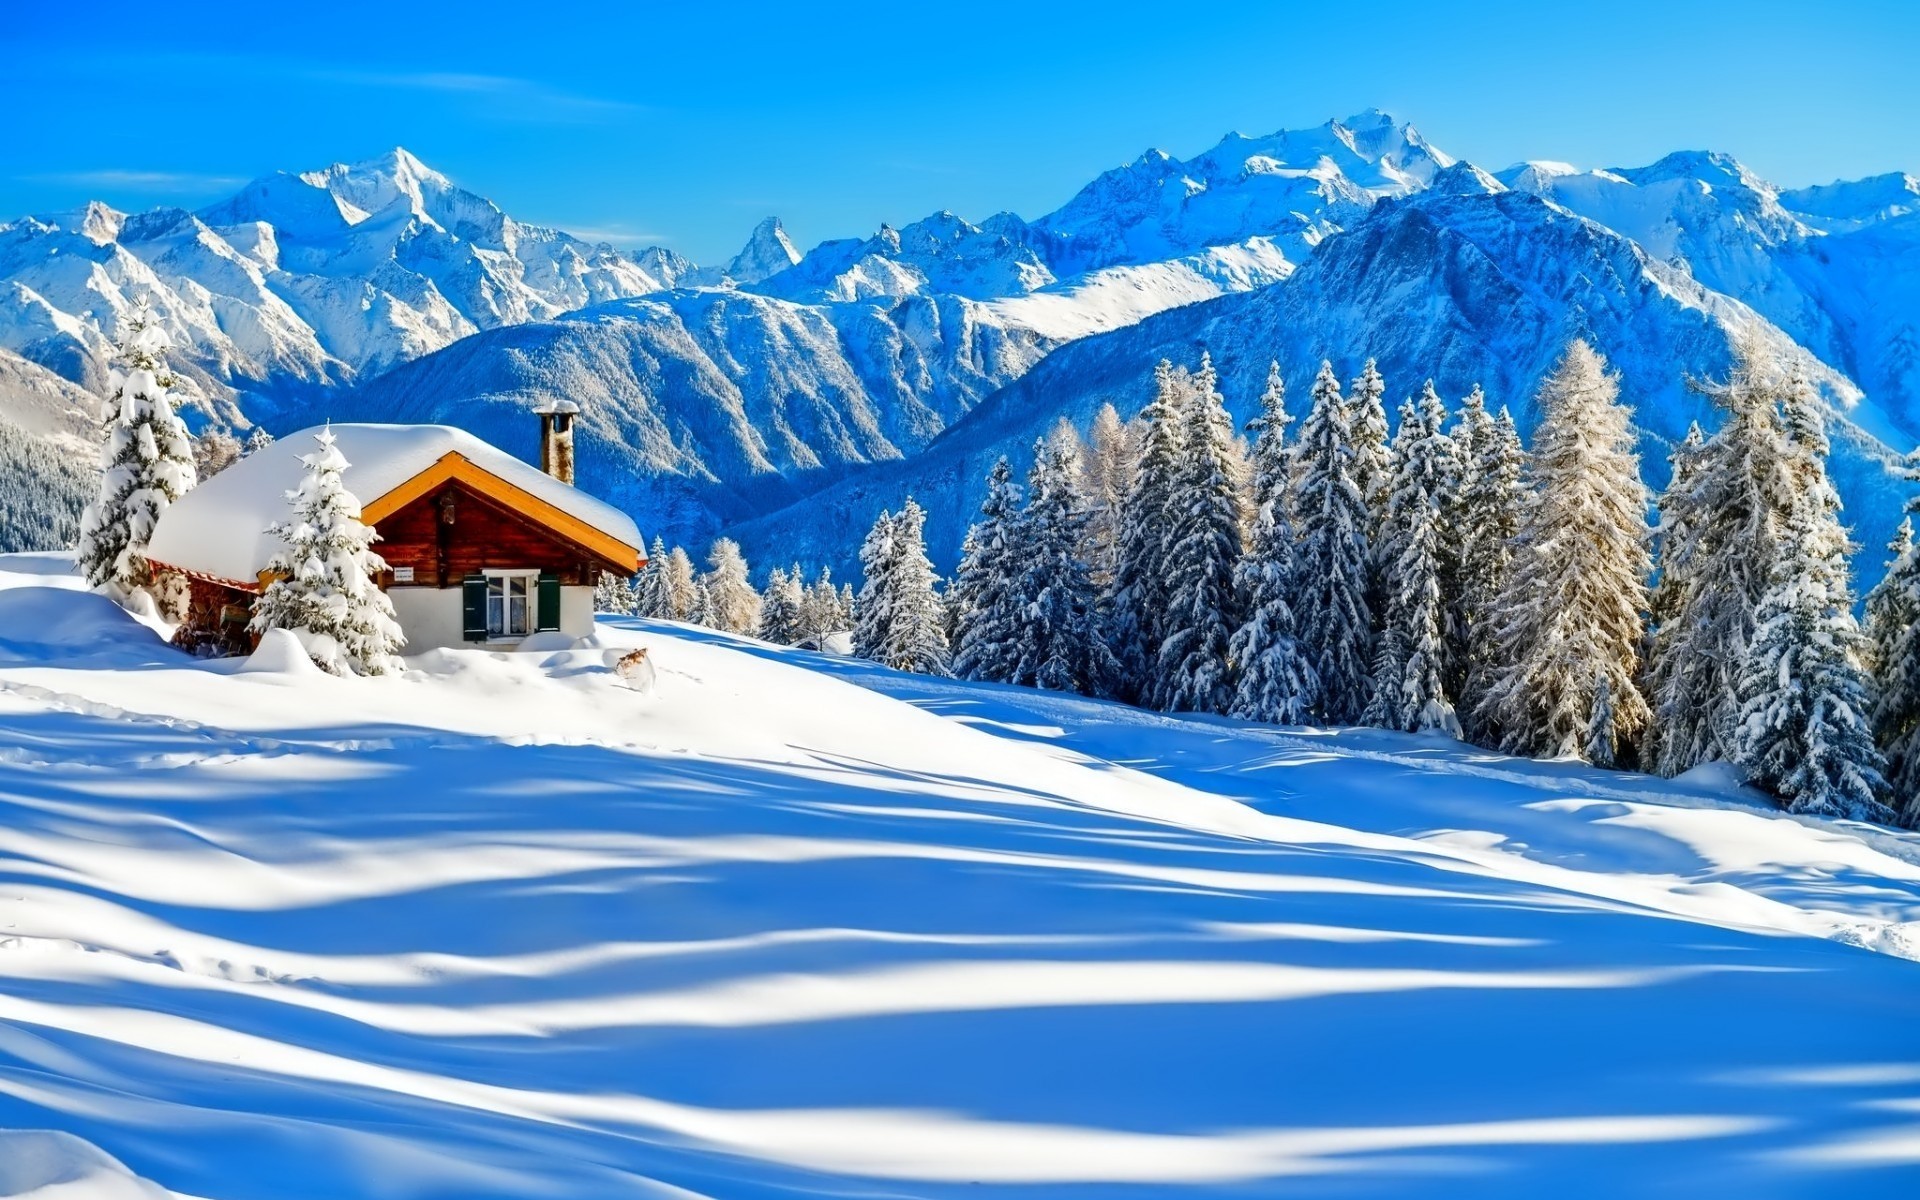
(1141, 587)
(781, 607)
(1720, 525)
(897, 619)
(1577, 586)
(1893, 648)
(682, 588)
(732, 603)
(822, 613)
(1275, 683)
(1196, 669)
(146, 463)
(323, 590)
(1491, 500)
(1387, 701)
(1058, 644)
(257, 441)
(1334, 558)
(1603, 739)
(986, 616)
(1803, 731)
(1424, 479)
(1106, 471)
(649, 592)
(613, 594)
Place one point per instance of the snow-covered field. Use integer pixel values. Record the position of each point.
(802, 927)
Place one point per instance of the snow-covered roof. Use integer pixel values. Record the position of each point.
(220, 527)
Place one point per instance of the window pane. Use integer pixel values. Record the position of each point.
(496, 606)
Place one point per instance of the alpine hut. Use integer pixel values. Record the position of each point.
(481, 548)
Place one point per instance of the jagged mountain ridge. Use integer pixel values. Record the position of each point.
(301, 279)
(872, 348)
(1467, 282)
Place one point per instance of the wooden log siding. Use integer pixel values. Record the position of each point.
(454, 531)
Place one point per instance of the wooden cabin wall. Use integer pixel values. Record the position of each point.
(482, 535)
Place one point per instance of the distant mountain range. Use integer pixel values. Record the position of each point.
(789, 396)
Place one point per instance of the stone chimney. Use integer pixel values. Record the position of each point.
(556, 438)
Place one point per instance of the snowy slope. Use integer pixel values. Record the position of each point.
(1465, 282)
(795, 926)
(48, 455)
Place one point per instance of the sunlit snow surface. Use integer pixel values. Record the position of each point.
(799, 927)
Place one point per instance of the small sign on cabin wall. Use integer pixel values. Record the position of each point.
(403, 574)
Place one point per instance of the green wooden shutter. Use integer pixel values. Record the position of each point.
(548, 614)
(473, 607)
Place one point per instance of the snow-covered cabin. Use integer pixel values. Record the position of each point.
(480, 546)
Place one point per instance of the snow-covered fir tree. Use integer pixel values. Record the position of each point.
(1056, 640)
(146, 464)
(700, 605)
(257, 441)
(613, 594)
(1334, 562)
(1804, 730)
(649, 591)
(1386, 701)
(1893, 648)
(1276, 683)
(732, 603)
(323, 590)
(1141, 585)
(782, 607)
(897, 618)
(1720, 528)
(822, 614)
(1372, 456)
(1491, 500)
(682, 587)
(1196, 667)
(1106, 475)
(1417, 560)
(984, 596)
(1577, 586)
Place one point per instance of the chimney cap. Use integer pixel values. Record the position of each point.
(552, 407)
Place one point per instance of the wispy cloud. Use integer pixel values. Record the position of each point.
(614, 234)
(507, 97)
(125, 179)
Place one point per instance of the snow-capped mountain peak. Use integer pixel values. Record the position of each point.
(767, 253)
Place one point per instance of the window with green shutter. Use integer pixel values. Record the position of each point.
(549, 606)
(473, 607)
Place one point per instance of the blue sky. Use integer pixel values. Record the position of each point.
(687, 122)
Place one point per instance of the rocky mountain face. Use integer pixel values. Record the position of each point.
(1464, 282)
(300, 281)
(715, 397)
